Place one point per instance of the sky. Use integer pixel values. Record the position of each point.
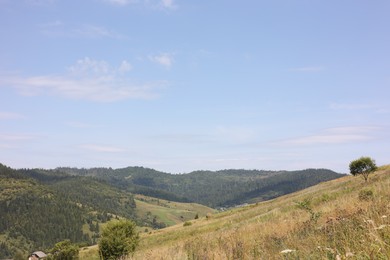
(179, 86)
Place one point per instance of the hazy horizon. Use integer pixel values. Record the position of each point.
(180, 86)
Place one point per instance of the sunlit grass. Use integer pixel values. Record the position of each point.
(346, 226)
(278, 229)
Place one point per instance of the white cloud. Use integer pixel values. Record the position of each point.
(345, 106)
(93, 31)
(164, 59)
(158, 4)
(60, 29)
(16, 137)
(88, 79)
(89, 66)
(122, 2)
(338, 135)
(104, 89)
(101, 148)
(168, 4)
(125, 67)
(8, 115)
(76, 124)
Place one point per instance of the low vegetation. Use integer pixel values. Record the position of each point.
(345, 218)
(336, 219)
(118, 239)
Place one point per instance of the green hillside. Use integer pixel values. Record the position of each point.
(169, 212)
(35, 216)
(223, 188)
(39, 208)
(340, 219)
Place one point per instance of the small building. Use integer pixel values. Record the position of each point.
(37, 255)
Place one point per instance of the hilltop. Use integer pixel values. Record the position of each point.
(338, 219)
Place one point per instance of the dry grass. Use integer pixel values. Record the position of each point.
(335, 224)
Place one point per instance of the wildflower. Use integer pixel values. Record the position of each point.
(287, 251)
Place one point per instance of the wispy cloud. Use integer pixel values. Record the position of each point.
(346, 106)
(76, 124)
(94, 31)
(164, 59)
(87, 66)
(59, 28)
(164, 4)
(307, 69)
(338, 135)
(375, 108)
(122, 2)
(9, 115)
(125, 67)
(102, 148)
(170, 4)
(87, 79)
(16, 137)
(186, 138)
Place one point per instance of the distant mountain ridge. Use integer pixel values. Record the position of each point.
(222, 188)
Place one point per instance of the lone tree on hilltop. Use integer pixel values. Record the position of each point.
(118, 239)
(362, 166)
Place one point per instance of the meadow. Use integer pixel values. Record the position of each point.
(345, 218)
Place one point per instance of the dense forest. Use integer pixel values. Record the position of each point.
(223, 188)
(39, 207)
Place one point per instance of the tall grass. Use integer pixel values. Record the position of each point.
(346, 226)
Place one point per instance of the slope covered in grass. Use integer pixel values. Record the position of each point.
(168, 212)
(342, 218)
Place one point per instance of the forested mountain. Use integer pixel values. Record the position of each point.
(215, 189)
(39, 207)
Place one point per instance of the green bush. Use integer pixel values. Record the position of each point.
(64, 250)
(187, 223)
(118, 239)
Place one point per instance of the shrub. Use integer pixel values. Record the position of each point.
(187, 223)
(118, 239)
(64, 250)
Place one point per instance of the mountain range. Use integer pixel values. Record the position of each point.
(40, 207)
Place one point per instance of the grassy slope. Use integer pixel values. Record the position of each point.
(168, 212)
(342, 225)
(346, 227)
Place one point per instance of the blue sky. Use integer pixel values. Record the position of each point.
(188, 85)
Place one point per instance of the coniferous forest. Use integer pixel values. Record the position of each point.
(39, 208)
